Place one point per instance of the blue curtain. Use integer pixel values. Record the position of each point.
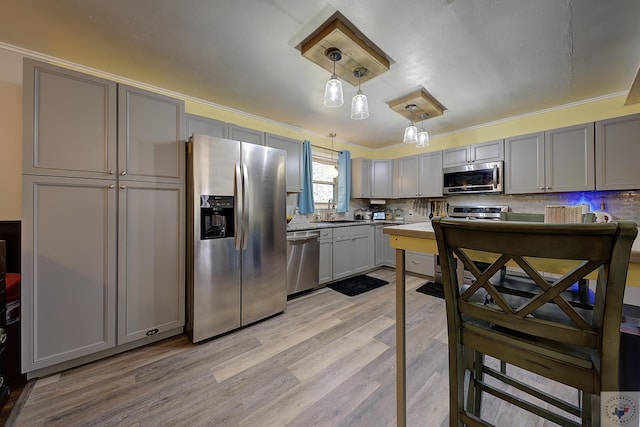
(305, 202)
(344, 181)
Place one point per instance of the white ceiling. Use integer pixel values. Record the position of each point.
(484, 60)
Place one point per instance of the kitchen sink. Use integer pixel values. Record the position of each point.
(344, 220)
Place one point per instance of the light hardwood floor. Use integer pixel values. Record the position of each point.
(328, 360)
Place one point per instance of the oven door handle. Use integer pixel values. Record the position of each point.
(495, 176)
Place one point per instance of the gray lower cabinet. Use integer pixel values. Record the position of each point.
(69, 269)
(326, 256)
(69, 288)
(389, 252)
(352, 250)
(385, 254)
(420, 263)
(151, 265)
(617, 153)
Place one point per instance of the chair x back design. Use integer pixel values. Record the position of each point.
(540, 331)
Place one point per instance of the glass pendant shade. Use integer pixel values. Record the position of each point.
(423, 139)
(333, 172)
(333, 93)
(410, 134)
(359, 107)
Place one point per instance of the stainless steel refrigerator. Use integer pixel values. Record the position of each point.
(236, 219)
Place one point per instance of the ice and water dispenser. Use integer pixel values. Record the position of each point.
(216, 217)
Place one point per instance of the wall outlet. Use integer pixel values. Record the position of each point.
(410, 212)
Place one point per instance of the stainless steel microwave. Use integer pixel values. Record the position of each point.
(473, 178)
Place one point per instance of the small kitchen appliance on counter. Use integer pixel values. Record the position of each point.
(378, 215)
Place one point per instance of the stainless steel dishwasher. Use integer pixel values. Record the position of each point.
(303, 256)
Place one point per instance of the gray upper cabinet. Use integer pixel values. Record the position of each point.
(617, 153)
(239, 133)
(69, 122)
(408, 177)
(151, 136)
(431, 174)
(206, 126)
(294, 159)
(570, 158)
(360, 178)
(382, 178)
(524, 164)
(558, 160)
(491, 151)
(420, 176)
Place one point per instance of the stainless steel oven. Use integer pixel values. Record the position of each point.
(473, 178)
(477, 213)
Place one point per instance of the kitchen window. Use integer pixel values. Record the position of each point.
(324, 185)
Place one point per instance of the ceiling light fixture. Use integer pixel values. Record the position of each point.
(411, 132)
(333, 89)
(423, 135)
(359, 104)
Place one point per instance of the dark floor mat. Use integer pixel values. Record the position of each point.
(433, 289)
(357, 285)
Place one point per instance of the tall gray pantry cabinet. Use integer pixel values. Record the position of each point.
(103, 218)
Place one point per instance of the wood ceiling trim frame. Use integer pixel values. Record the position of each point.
(424, 102)
(356, 52)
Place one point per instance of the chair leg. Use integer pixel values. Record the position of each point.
(477, 375)
(590, 405)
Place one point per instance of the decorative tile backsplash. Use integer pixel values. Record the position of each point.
(624, 205)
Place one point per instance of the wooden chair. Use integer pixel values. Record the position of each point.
(543, 333)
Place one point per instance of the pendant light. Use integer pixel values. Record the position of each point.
(359, 104)
(333, 172)
(411, 132)
(333, 89)
(423, 135)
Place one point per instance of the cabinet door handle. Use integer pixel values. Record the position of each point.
(3, 336)
(123, 187)
(548, 188)
(110, 172)
(111, 186)
(151, 332)
(123, 173)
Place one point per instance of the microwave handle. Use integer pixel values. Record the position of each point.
(495, 176)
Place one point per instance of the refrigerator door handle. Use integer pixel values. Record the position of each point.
(237, 189)
(245, 208)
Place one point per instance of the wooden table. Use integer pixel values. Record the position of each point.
(419, 237)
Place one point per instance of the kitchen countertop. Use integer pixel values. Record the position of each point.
(424, 230)
(334, 224)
